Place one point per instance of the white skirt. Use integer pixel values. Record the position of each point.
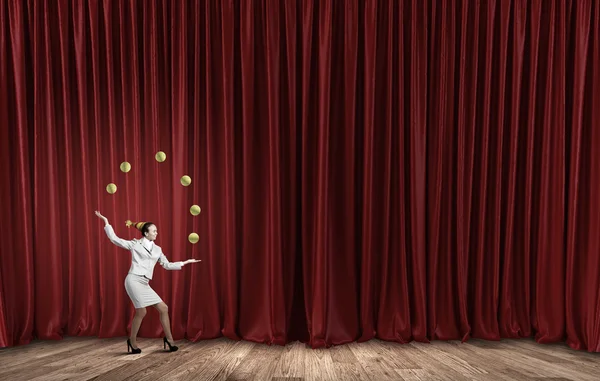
(140, 292)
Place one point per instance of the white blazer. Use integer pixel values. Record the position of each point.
(142, 260)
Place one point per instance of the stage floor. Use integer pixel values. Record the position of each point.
(76, 358)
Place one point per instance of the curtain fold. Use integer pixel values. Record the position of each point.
(402, 170)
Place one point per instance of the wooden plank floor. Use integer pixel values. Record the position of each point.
(77, 358)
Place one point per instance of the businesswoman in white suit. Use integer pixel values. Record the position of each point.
(144, 255)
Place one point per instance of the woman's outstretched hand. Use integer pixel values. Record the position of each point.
(192, 261)
(102, 217)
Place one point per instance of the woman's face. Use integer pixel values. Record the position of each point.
(152, 233)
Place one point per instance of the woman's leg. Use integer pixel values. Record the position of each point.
(135, 325)
(163, 310)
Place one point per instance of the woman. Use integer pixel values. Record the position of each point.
(144, 255)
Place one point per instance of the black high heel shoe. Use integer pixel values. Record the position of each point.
(172, 348)
(133, 350)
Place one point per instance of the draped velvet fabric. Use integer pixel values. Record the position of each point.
(406, 170)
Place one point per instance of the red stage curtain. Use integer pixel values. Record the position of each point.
(407, 170)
